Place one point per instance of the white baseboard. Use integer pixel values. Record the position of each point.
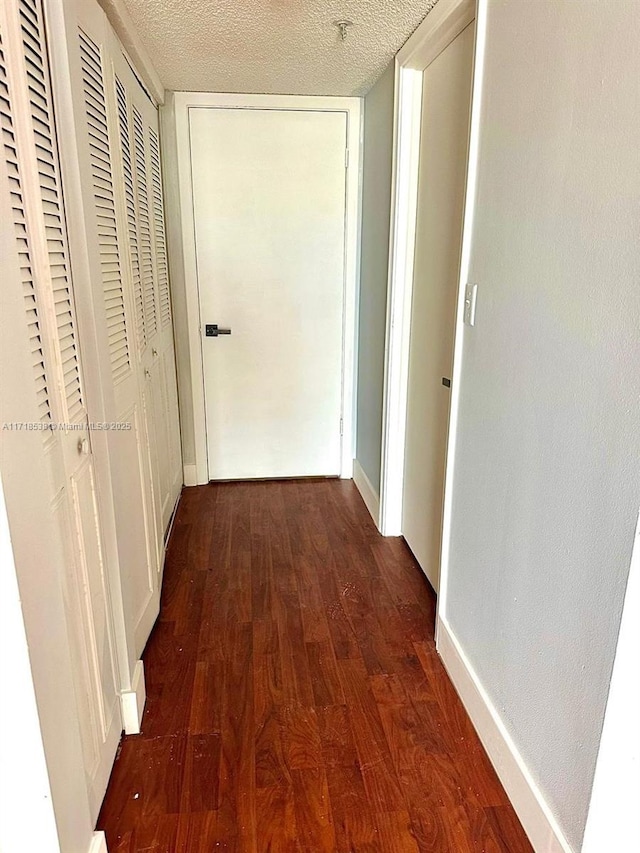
(190, 473)
(98, 843)
(132, 702)
(369, 496)
(527, 799)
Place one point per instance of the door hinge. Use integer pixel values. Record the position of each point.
(341, 426)
(346, 158)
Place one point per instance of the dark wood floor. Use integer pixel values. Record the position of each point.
(295, 700)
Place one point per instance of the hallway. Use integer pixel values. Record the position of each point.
(295, 700)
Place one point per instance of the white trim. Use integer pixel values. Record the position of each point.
(132, 701)
(120, 20)
(350, 456)
(98, 843)
(439, 28)
(190, 475)
(182, 102)
(367, 492)
(532, 809)
(404, 194)
(612, 822)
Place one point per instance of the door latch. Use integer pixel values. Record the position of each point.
(211, 330)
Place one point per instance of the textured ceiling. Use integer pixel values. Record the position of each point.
(273, 46)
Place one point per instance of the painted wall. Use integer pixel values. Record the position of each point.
(613, 812)
(376, 207)
(547, 456)
(23, 764)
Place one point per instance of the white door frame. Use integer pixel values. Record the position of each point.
(183, 102)
(440, 27)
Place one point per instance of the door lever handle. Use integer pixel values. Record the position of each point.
(211, 330)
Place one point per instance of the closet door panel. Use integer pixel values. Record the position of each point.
(172, 465)
(153, 299)
(31, 165)
(104, 136)
(135, 157)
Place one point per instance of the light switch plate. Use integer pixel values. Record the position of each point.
(470, 296)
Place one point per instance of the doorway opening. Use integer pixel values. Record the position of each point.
(434, 74)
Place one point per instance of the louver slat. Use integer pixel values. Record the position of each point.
(104, 204)
(159, 230)
(22, 246)
(41, 114)
(130, 200)
(144, 227)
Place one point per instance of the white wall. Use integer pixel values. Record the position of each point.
(613, 812)
(25, 794)
(376, 207)
(546, 483)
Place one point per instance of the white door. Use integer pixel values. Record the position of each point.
(40, 272)
(269, 205)
(107, 242)
(446, 100)
(121, 228)
(143, 209)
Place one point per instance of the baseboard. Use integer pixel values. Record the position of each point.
(98, 843)
(133, 700)
(369, 496)
(527, 799)
(190, 473)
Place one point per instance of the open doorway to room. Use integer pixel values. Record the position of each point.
(434, 77)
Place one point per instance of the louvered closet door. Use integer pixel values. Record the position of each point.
(144, 205)
(153, 308)
(31, 172)
(104, 129)
(162, 349)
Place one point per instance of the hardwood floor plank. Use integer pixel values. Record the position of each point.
(343, 637)
(376, 765)
(237, 755)
(396, 832)
(200, 784)
(295, 699)
(272, 767)
(294, 664)
(338, 746)
(314, 820)
(354, 824)
(407, 724)
(482, 780)
(277, 831)
(188, 615)
(168, 707)
(267, 686)
(507, 830)
(202, 833)
(300, 736)
(155, 834)
(206, 702)
(146, 782)
(325, 679)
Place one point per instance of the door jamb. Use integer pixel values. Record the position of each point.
(446, 21)
(182, 103)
